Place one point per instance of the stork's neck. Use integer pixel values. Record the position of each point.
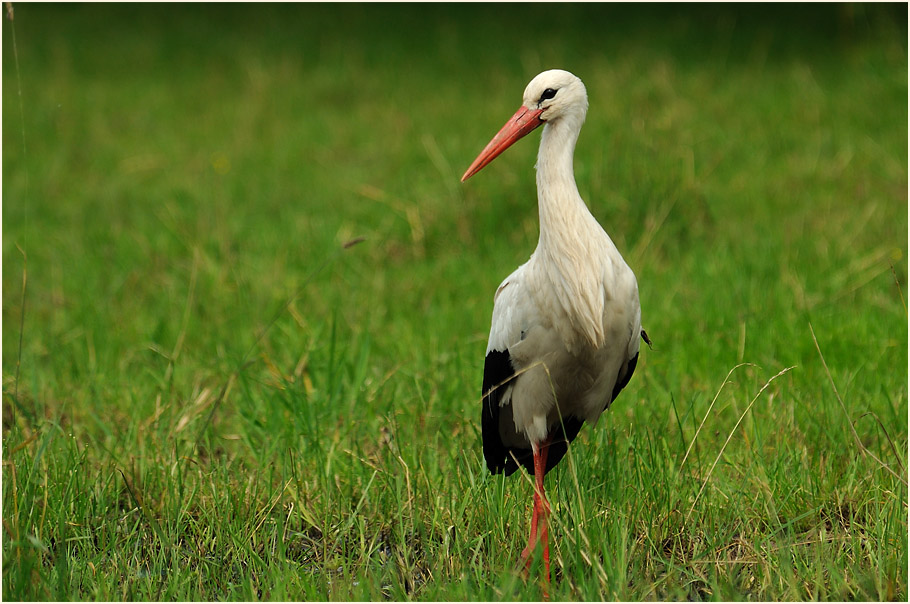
(572, 246)
(564, 217)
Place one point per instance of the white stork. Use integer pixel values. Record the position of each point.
(564, 338)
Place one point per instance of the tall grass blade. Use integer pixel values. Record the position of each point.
(729, 437)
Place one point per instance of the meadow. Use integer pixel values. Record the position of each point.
(246, 301)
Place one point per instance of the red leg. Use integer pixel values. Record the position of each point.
(541, 510)
(540, 467)
(532, 540)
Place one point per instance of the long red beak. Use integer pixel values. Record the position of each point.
(520, 124)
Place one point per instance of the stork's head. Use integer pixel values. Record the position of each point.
(556, 93)
(551, 96)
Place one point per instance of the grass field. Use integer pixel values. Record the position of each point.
(206, 395)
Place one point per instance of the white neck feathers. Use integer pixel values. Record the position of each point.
(573, 247)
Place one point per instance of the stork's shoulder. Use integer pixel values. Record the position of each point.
(514, 309)
(511, 284)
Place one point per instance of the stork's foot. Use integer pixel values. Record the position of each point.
(527, 557)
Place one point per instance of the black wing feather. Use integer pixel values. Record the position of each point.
(497, 373)
(625, 374)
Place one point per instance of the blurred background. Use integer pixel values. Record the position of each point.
(136, 136)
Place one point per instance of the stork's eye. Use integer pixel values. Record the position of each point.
(549, 93)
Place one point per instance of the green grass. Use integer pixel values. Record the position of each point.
(175, 429)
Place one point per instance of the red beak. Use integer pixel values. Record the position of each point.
(524, 121)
